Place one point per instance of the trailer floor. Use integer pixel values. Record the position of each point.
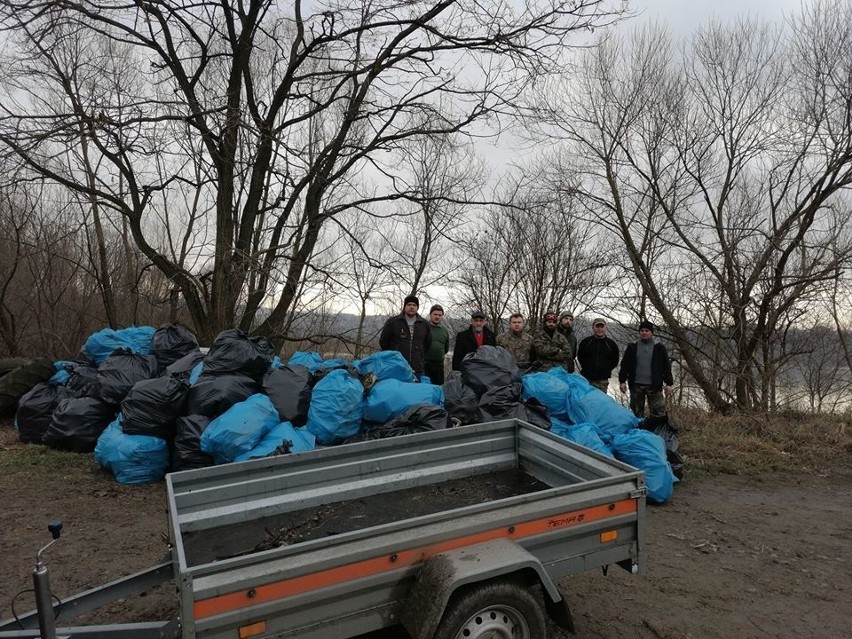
(340, 517)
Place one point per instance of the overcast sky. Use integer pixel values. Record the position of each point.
(683, 16)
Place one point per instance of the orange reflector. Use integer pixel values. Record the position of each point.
(252, 629)
(609, 535)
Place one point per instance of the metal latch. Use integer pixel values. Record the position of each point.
(639, 492)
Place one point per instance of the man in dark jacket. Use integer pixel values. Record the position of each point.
(468, 340)
(551, 347)
(440, 345)
(566, 327)
(597, 355)
(645, 367)
(409, 334)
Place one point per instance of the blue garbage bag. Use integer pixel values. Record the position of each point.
(550, 390)
(276, 362)
(195, 373)
(309, 359)
(585, 403)
(239, 429)
(133, 459)
(583, 434)
(337, 362)
(283, 438)
(62, 374)
(101, 344)
(386, 365)
(336, 407)
(391, 397)
(647, 451)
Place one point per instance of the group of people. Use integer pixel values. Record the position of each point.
(645, 366)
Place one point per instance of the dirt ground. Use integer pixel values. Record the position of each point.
(730, 556)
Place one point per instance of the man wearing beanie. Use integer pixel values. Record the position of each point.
(598, 356)
(551, 347)
(409, 334)
(646, 370)
(440, 345)
(468, 340)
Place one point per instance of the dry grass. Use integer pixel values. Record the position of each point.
(748, 443)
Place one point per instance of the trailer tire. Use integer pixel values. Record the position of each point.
(501, 609)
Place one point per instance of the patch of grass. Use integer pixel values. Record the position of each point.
(750, 443)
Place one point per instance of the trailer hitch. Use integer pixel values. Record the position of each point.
(41, 584)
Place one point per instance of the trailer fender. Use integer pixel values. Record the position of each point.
(443, 574)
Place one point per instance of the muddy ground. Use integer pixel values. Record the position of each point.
(731, 556)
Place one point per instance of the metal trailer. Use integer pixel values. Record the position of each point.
(418, 544)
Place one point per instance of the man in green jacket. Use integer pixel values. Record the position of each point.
(440, 345)
(552, 348)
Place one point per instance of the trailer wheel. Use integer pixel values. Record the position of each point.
(499, 610)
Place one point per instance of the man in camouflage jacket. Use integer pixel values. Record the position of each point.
(552, 348)
(517, 341)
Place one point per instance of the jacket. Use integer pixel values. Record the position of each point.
(396, 337)
(661, 368)
(597, 357)
(520, 346)
(552, 349)
(440, 344)
(466, 343)
(572, 340)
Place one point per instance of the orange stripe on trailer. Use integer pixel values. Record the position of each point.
(404, 558)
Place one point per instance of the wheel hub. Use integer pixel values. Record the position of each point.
(495, 622)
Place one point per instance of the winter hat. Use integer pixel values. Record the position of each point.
(477, 314)
(646, 324)
(550, 316)
(566, 314)
(412, 299)
(436, 307)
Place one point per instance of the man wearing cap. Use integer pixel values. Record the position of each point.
(566, 327)
(597, 355)
(409, 334)
(551, 347)
(440, 345)
(516, 340)
(474, 336)
(646, 369)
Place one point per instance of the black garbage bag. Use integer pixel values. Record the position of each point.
(212, 395)
(152, 406)
(35, 411)
(235, 353)
(170, 343)
(83, 382)
(120, 371)
(290, 389)
(77, 423)
(417, 419)
(182, 368)
(533, 412)
(489, 367)
(460, 400)
(667, 429)
(187, 452)
(497, 403)
(22, 379)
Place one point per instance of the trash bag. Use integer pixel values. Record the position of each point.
(309, 359)
(83, 382)
(211, 396)
(77, 423)
(583, 434)
(281, 440)
(417, 419)
(152, 406)
(460, 400)
(667, 429)
(35, 411)
(21, 380)
(331, 364)
(533, 412)
(120, 371)
(104, 343)
(550, 390)
(133, 459)
(336, 407)
(235, 353)
(647, 452)
(184, 367)
(187, 453)
(391, 397)
(489, 367)
(239, 429)
(290, 388)
(499, 401)
(586, 403)
(386, 365)
(63, 370)
(170, 343)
